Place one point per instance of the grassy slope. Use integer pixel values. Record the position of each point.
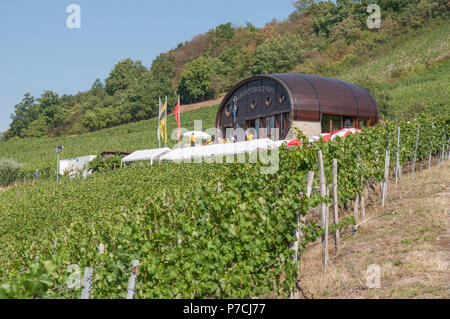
(404, 53)
(429, 87)
(411, 247)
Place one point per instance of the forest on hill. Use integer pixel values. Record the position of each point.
(325, 38)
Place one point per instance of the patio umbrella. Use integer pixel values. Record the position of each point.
(325, 136)
(294, 142)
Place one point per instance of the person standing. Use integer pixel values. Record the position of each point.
(192, 140)
(36, 174)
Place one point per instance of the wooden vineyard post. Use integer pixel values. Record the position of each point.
(363, 208)
(429, 154)
(397, 162)
(132, 281)
(335, 204)
(324, 213)
(386, 174)
(415, 150)
(443, 152)
(431, 146)
(87, 283)
(355, 208)
(439, 159)
(300, 221)
(356, 203)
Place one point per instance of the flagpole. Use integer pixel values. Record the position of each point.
(179, 116)
(165, 125)
(159, 125)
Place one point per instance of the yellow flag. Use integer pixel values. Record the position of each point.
(162, 122)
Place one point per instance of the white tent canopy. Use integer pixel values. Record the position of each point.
(72, 165)
(219, 149)
(198, 134)
(145, 155)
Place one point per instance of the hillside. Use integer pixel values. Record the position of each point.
(322, 38)
(412, 246)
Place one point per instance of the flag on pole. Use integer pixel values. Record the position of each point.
(159, 126)
(162, 122)
(177, 117)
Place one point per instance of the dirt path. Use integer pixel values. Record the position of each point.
(190, 107)
(411, 246)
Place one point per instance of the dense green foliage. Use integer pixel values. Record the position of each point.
(320, 37)
(192, 238)
(101, 165)
(10, 171)
(196, 80)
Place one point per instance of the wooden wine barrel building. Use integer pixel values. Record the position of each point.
(272, 104)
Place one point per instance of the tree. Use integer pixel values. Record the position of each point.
(348, 30)
(24, 113)
(195, 81)
(97, 87)
(49, 104)
(224, 32)
(277, 55)
(122, 75)
(37, 128)
(301, 6)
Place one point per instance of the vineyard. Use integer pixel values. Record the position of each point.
(404, 55)
(198, 230)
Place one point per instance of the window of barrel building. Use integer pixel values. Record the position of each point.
(285, 120)
(349, 121)
(363, 122)
(331, 123)
(251, 128)
(257, 128)
(228, 110)
(280, 124)
(273, 134)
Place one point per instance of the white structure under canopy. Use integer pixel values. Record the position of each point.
(75, 165)
(219, 149)
(146, 155)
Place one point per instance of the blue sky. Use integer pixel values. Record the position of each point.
(38, 52)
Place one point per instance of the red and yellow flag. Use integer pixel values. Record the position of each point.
(177, 117)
